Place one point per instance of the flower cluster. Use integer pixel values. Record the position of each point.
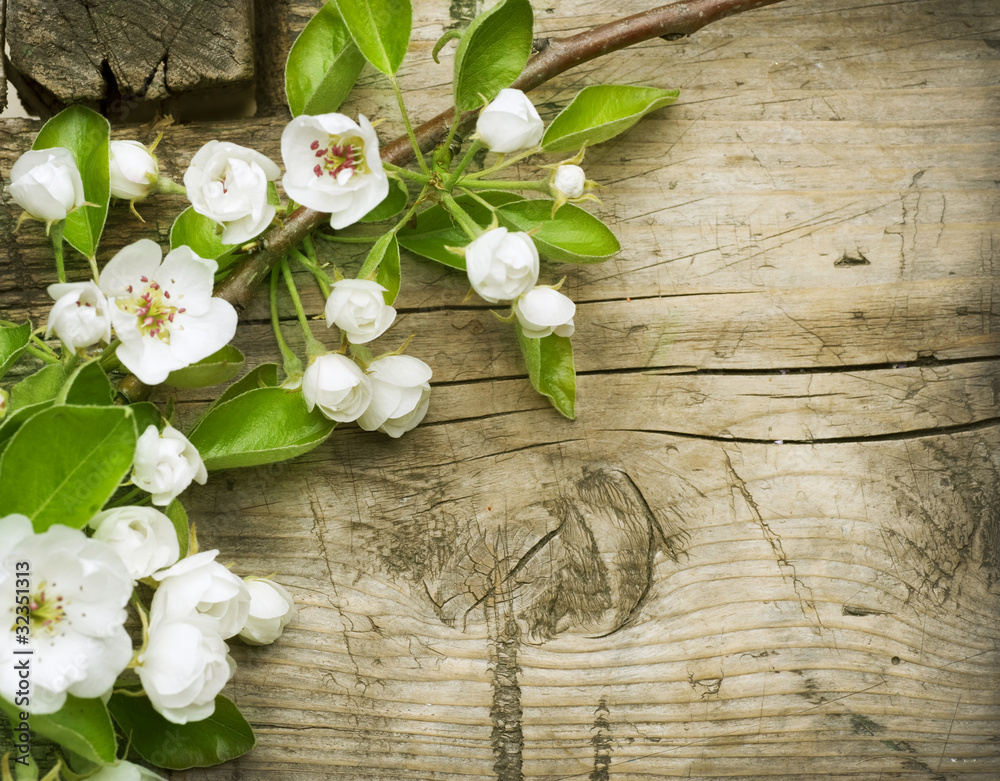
(73, 607)
(389, 394)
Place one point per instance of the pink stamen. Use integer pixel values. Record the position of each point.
(144, 279)
(314, 145)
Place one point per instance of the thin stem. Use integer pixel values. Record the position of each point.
(45, 355)
(479, 199)
(474, 147)
(126, 499)
(292, 364)
(406, 173)
(469, 225)
(109, 358)
(504, 163)
(313, 346)
(541, 185)
(322, 278)
(370, 266)
(56, 234)
(43, 346)
(409, 127)
(338, 239)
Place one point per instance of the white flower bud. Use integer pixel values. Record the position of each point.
(332, 165)
(336, 385)
(401, 394)
(134, 170)
(125, 771)
(228, 183)
(144, 537)
(271, 609)
(46, 183)
(199, 585)
(357, 307)
(165, 464)
(502, 265)
(81, 315)
(509, 123)
(185, 665)
(569, 180)
(543, 311)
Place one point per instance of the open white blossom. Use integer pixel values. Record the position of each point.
(271, 609)
(199, 585)
(166, 463)
(401, 394)
(81, 315)
(543, 311)
(228, 183)
(332, 165)
(143, 537)
(134, 170)
(163, 310)
(74, 615)
(336, 385)
(510, 122)
(185, 665)
(46, 183)
(357, 307)
(502, 264)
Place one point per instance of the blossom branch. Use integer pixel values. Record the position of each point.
(554, 56)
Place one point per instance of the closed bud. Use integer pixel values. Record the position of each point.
(509, 123)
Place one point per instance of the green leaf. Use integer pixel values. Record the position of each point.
(263, 376)
(388, 275)
(260, 426)
(87, 385)
(64, 463)
(179, 518)
(16, 419)
(385, 249)
(492, 53)
(221, 737)
(82, 726)
(201, 234)
(14, 340)
(573, 235)
(601, 112)
(87, 135)
(434, 230)
(220, 366)
(43, 385)
(380, 28)
(322, 66)
(550, 369)
(392, 204)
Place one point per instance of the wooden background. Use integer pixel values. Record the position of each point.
(769, 544)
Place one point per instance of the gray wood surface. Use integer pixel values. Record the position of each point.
(768, 546)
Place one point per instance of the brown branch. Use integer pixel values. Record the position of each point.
(554, 57)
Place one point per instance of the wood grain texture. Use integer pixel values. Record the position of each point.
(768, 547)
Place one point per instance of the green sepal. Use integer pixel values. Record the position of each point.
(601, 112)
(549, 361)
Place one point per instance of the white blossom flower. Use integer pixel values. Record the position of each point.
(73, 616)
(125, 771)
(185, 665)
(166, 463)
(81, 315)
(357, 307)
(228, 183)
(332, 165)
(134, 170)
(336, 385)
(570, 180)
(509, 123)
(543, 311)
(46, 183)
(502, 264)
(143, 537)
(271, 609)
(199, 585)
(163, 310)
(401, 394)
